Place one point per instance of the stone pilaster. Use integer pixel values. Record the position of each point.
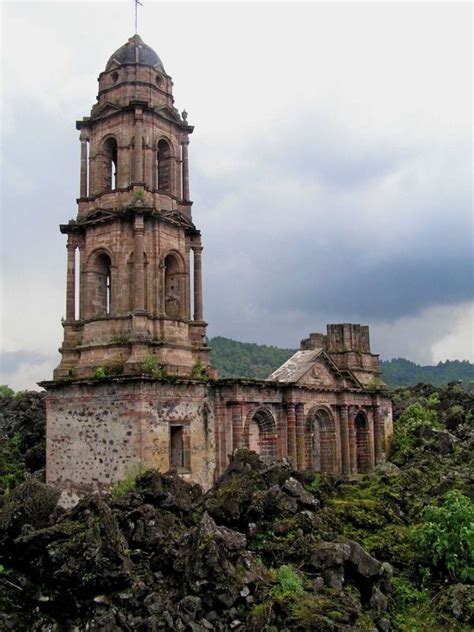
(138, 151)
(352, 440)
(300, 452)
(185, 159)
(138, 265)
(178, 177)
(198, 312)
(188, 280)
(282, 433)
(81, 277)
(345, 448)
(291, 424)
(236, 426)
(71, 280)
(84, 165)
(161, 288)
(379, 438)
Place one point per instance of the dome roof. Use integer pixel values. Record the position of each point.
(135, 51)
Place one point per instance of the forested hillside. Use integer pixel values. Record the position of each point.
(242, 359)
(401, 372)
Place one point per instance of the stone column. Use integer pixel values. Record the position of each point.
(198, 315)
(161, 289)
(123, 167)
(185, 158)
(219, 421)
(345, 452)
(291, 423)
(138, 264)
(179, 185)
(282, 433)
(188, 280)
(81, 278)
(352, 441)
(378, 435)
(84, 170)
(138, 152)
(148, 164)
(236, 426)
(300, 436)
(71, 280)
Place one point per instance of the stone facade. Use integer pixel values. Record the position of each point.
(135, 386)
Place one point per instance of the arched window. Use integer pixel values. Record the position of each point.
(320, 439)
(109, 153)
(362, 443)
(163, 167)
(173, 302)
(102, 288)
(260, 435)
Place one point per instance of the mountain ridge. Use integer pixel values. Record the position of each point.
(233, 358)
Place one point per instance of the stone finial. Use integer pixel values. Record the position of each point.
(184, 116)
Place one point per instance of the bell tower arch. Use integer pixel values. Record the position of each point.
(131, 296)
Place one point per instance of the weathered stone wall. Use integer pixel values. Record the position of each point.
(98, 433)
(294, 410)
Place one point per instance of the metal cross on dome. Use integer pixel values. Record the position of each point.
(137, 2)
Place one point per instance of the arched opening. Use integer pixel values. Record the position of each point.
(102, 286)
(320, 442)
(110, 164)
(163, 167)
(362, 443)
(260, 435)
(172, 287)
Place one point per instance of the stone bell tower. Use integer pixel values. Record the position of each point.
(134, 286)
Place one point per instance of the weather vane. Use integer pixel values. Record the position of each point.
(137, 2)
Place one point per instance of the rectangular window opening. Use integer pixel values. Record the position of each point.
(179, 448)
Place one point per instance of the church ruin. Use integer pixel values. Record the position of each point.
(135, 386)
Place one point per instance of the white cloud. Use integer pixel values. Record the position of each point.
(431, 336)
(458, 341)
(26, 376)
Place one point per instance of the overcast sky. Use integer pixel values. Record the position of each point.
(331, 166)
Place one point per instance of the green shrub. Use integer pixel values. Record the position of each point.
(446, 534)
(405, 594)
(198, 372)
(406, 427)
(12, 466)
(152, 367)
(314, 484)
(128, 483)
(22, 396)
(100, 373)
(411, 610)
(6, 392)
(121, 339)
(433, 400)
(289, 583)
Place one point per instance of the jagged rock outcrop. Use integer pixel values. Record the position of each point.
(165, 557)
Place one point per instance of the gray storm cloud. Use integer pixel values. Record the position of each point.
(331, 176)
